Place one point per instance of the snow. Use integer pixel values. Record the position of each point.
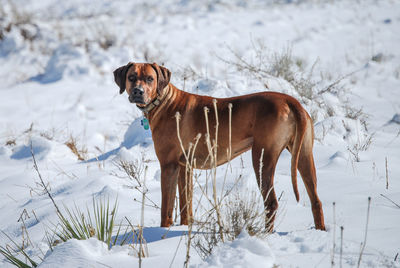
(56, 83)
(244, 251)
(75, 253)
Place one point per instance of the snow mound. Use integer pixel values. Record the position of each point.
(83, 253)
(3, 151)
(136, 135)
(212, 87)
(395, 119)
(245, 251)
(338, 158)
(40, 147)
(65, 60)
(11, 43)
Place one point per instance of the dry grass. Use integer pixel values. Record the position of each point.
(11, 142)
(265, 66)
(16, 17)
(136, 172)
(72, 145)
(361, 145)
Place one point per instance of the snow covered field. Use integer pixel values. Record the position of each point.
(56, 86)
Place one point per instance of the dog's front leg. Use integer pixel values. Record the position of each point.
(169, 180)
(185, 187)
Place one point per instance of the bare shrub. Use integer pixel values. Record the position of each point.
(101, 34)
(267, 65)
(106, 39)
(134, 171)
(139, 244)
(151, 53)
(282, 64)
(330, 111)
(48, 134)
(239, 212)
(260, 69)
(19, 15)
(312, 88)
(11, 142)
(361, 145)
(245, 212)
(187, 73)
(356, 114)
(18, 18)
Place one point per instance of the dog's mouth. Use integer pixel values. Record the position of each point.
(137, 99)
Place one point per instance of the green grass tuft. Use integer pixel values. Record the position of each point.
(98, 221)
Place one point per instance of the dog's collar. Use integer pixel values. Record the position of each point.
(154, 103)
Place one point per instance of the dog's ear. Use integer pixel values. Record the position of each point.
(163, 76)
(120, 76)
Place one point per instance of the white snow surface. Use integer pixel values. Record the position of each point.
(56, 82)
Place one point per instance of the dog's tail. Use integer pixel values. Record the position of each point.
(301, 127)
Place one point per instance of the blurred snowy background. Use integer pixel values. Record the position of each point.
(340, 58)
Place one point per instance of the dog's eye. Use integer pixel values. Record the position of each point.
(149, 79)
(131, 78)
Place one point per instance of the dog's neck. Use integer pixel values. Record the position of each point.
(154, 103)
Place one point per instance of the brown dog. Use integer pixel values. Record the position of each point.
(266, 122)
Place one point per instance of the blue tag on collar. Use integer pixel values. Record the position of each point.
(145, 123)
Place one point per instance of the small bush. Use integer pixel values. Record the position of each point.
(283, 65)
(245, 211)
(360, 146)
(14, 17)
(239, 212)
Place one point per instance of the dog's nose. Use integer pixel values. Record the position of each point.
(137, 92)
(136, 95)
(131, 98)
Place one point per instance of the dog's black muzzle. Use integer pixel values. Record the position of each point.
(136, 95)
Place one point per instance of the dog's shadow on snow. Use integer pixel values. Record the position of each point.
(154, 234)
(135, 135)
(150, 234)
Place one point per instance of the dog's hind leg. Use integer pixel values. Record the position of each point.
(185, 187)
(265, 180)
(306, 167)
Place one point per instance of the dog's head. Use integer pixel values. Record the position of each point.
(142, 81)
